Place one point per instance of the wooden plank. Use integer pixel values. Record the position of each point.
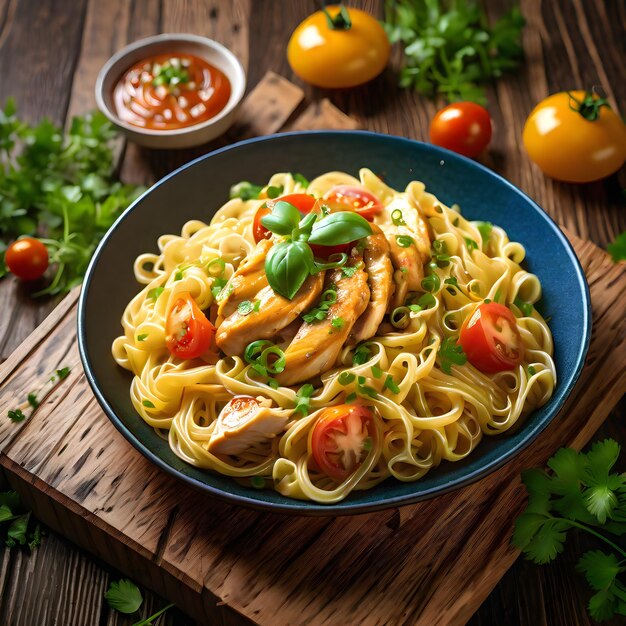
(187, 546)
(267, 107)
(323, 115)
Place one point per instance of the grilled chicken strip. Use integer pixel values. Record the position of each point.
(244, 422)
(249, 278)
(316, 346)
(274, 314)
(380, 279)
(408, 261)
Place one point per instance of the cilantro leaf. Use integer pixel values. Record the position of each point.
(547, 542)
(617, 248)
(124, 596)
(600, 569)
(303, 397)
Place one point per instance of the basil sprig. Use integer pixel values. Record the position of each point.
(290, 262)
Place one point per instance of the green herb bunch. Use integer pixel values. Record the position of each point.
(17, 526)
(450, 49)
(290, 262)
(580, 493)
(60, 187)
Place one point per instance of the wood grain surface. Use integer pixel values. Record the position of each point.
(568, 43)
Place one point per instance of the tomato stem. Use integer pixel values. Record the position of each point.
(589, 107)
(341, 21)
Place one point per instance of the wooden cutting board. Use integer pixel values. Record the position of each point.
(429, 563)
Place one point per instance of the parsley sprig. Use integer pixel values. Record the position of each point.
(580, 492)
(61, 187)
(450, 353)
(449, 47)
(15, 521)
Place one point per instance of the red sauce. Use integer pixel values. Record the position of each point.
(170, 91)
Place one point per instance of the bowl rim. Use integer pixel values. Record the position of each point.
(122, 53)
(314, 509)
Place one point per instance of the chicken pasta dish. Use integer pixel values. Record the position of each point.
(320, 337)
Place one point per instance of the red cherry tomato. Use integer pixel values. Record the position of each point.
(188, 333)
(305, 204)
(491, 340)
(27, 258)
(339, 439)
(352, 198)
(463, 127)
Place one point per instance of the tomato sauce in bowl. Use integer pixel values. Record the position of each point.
(170, 91)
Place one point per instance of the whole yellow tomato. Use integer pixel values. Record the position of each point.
(338, 47)
(575, 137)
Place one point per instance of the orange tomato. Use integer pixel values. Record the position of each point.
(326, 52)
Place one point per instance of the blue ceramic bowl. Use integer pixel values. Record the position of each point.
(196, 190)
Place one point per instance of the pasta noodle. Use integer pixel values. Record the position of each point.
(424, 417)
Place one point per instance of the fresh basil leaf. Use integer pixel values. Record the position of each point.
(287, 266)
(283, 219)
(338, 228)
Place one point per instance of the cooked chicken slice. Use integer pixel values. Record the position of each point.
(380, 280)
(244, 422)
(316, 346)
(274, 313)
(409, 244)
(249, 278)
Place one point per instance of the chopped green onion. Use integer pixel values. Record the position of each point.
(273, 383)
(148, 404)
(400, 317)
(397, 217)
(351, 397)
(367, 444)
(303, 396)
(142, 337)
(471, 244)
(415, 308)
(485, 228)
(215, 267)
(178, 275)
(245, 308)
(254, 350)
(153, 294)
(404, 241)
(245, 190)
(274, 192)
(531, 371)
(525, 307)
(257, 306)
(486, 300)
(431, 283)
(427, 301)
(345, 378)
(376, 371)
(299, 178)
(278, 365)
(496, 298)
(455, 221)
(337, 323)
(361, 355)
(390, 384)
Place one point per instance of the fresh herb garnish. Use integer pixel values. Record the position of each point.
(148, 404)
(61, 186)
(617, 249)
(453, 282)
(449, 47)
(376, 371)
(300, 179)
(337, 323)
(303, 398)
(124, 596)
(400, 317)
(153, 294)
(361, 355)
(246, 190)
(142, 337)
(391, 384)
(320, 311)
(16, 415)
(404, 241)
(351, 397)
(178, 275)
(350, 270)
(291, 262)
(431, 283)
(345, 378)
(62, 373)
(471, 244)
(216, 287)
(274, 192)
(485, 228)
(440, 254)
(265, 359)
(450, 353)
(169, 74)
(531, 371)
(525, 307)
(246, 307)
(397, 217)
(427, 301)
(33, 400)
(363, 389)
(580, 492)
(17, 528)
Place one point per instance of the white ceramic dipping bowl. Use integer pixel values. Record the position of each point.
(216, 54)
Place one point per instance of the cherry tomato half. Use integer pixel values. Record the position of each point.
(328, 50)
(305, 204)
(352, 198)
(188, 333)
(463, 127)
(575, 137)
(340, 437)
(27, 258)
(491, 340)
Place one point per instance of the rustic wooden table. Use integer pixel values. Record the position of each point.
(50, 53)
